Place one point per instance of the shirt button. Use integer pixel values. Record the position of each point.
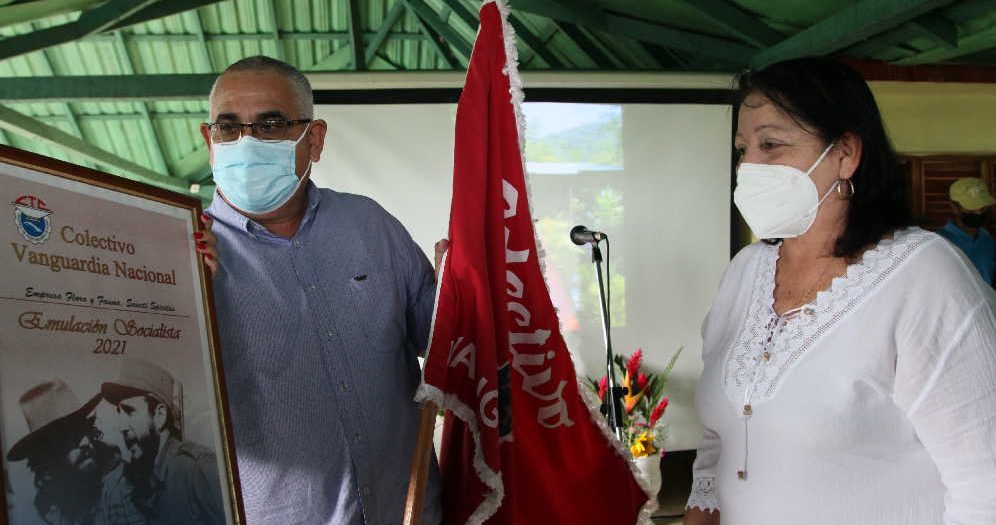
(312, 288)
(366, 491)
(345, 387)
(329, 334)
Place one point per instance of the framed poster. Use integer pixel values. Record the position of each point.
(112, 399)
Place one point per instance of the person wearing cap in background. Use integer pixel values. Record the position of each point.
(175, 481)
(973, 206)
(74, 469)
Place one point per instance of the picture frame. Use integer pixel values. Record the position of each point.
(113, 405)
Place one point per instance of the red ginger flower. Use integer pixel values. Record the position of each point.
(634, 362)
(603, 385)
(641, 382)
(658, 411)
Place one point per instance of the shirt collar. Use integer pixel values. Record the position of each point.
(223, 212)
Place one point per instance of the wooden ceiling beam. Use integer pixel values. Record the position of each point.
(463, 13)
(981, 41)
(437, 42)
(329, 36)
(162, 9)
(107, 87)
(526, 36)
(112, 15)
(847, 27)
(129, 69)
(393, 17)
(90, 22)
(339, 60)
(270, 13)
(534, 42)
(194, 167)
(194, 17)
(587, 46)
(649, 32)
(431, 19)
(359, 61)
(937, 28)
(734, 20)
(29, 11)
(881, 42)
(67, 109)
(26, 126)
(934, 26)
(593, 17)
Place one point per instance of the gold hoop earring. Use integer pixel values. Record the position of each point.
(845, 194)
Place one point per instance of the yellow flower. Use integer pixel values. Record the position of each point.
(643, 446)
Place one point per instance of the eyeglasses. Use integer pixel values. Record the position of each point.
(273, 129)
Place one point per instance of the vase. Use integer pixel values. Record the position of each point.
(650, 471)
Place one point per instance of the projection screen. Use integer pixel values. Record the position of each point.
(654, 177)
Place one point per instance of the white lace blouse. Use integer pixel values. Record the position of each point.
(876, 406)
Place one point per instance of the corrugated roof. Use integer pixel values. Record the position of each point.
(159, 136)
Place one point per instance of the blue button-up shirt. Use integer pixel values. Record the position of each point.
(319, 337)
(981, 249)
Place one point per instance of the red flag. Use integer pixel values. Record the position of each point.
(524, 447)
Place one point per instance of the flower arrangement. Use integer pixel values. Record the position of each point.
(643, 402)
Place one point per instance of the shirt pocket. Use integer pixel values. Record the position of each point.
(379, 305)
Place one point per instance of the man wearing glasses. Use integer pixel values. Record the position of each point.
(323, 302)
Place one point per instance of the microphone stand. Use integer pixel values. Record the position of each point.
(613, 392)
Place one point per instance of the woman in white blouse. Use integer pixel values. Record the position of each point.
(850, 360)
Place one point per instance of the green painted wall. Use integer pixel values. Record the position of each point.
(937, 118)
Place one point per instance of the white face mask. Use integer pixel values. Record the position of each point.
(777, 201)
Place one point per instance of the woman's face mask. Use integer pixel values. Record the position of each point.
(778, 201)
(258, 176)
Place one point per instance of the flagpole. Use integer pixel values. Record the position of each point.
(418, 477)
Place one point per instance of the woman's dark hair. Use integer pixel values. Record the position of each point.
(830, 99)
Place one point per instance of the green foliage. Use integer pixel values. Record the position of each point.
(593, 143)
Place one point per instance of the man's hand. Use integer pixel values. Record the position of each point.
(207, 244)
(441, 246)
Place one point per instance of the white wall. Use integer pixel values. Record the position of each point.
(671, 246)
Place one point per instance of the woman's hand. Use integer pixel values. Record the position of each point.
(207, 244)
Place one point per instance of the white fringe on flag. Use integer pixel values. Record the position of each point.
(451, 402)
(518, 97)
(427, 392)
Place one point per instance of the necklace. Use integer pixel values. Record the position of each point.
(810, 293)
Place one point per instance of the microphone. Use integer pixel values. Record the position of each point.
(581, 236)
